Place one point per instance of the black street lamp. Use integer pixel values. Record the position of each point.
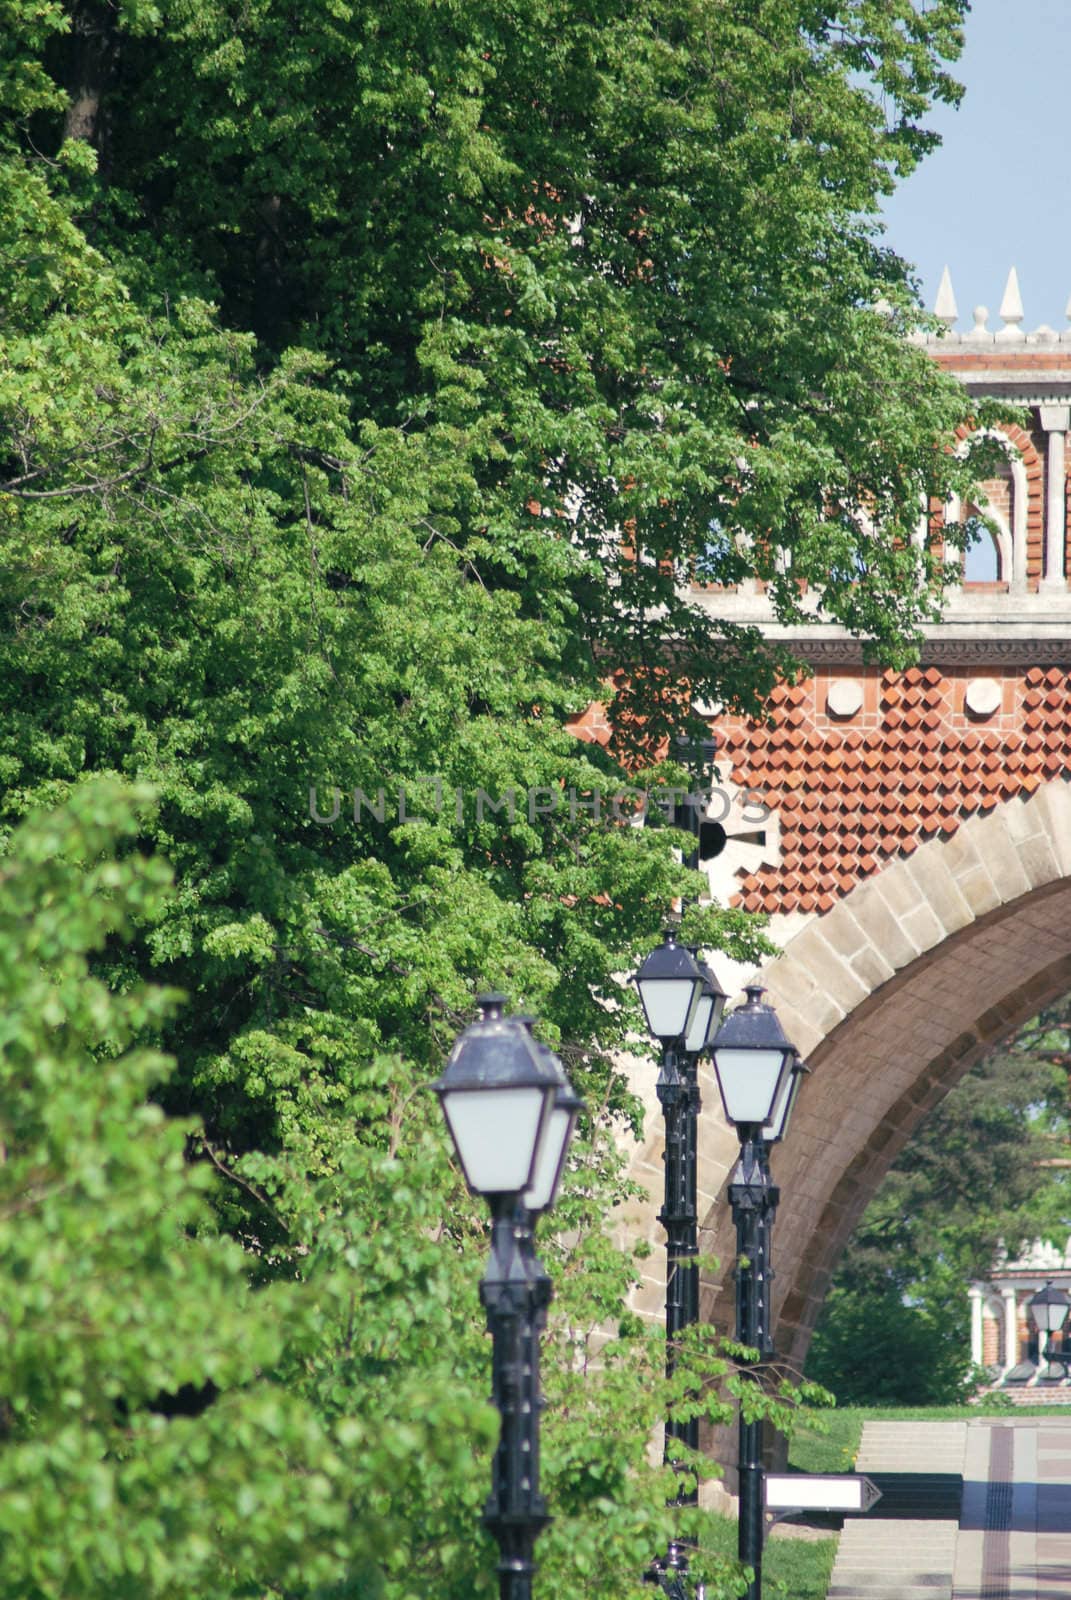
(1049, 1308)
(759, 1074)
(511, 1113)
(683, 1003)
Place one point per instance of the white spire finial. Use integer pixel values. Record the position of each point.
(945, 307)
(1011, 308)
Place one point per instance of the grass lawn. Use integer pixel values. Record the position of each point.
(792, 1568)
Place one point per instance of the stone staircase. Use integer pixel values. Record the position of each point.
(905, 1549)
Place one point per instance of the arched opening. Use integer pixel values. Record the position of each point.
(1006, 505)
(931, 1296)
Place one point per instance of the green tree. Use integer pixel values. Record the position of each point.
(985, 1173)
(145, 1450)
(619, 269)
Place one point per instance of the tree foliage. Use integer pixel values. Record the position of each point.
(145, 1448)
(613, 271)
(372, 381)
(985, 1174)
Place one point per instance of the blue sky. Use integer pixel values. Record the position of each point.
(998, 191)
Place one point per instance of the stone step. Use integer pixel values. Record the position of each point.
(921, 1571)
(951, 1444)
(921, 1457)
(899, 1591)
(886, 1574)
(876, 1584)
(921, 1557)
(890, 1591)
(918, 1555)
(925, 1549)
(934, 1430)
(905, 1549)
(920, 1527)
(883, 1535)
(915, 1553)
(929, 1562)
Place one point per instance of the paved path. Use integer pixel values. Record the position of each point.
(1006, 1537)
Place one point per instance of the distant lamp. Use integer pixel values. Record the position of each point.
(752, 1060)
(670, 985)
(708, 1012)
(498, 1093)
(1049, 1308)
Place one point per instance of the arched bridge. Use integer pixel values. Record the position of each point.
(915, 852)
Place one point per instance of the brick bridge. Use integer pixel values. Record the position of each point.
(916, 858)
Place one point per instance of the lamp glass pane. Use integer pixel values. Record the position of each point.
(782, 1109)
(669, 1004)
(543, 1189)
(496, 1132)
(749, 1081)
(795, 1080)
(696, 1037)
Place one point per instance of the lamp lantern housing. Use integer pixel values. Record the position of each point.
(1049, 1308)
(497, 1092)
(752, 1060)
(670, 985)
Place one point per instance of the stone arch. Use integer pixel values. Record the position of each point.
(1034, 469)
(893, 995)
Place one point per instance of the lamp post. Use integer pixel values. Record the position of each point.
(511, 1114)
(683, 1003)
(1049, 1308)
(759, 1073)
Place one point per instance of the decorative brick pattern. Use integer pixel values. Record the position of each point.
(913, 764)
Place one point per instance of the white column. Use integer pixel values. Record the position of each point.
(1055, 421)
(1020, 495)
(1011, 1328)
(975, 1295)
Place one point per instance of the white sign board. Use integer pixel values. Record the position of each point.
(816, 1491)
